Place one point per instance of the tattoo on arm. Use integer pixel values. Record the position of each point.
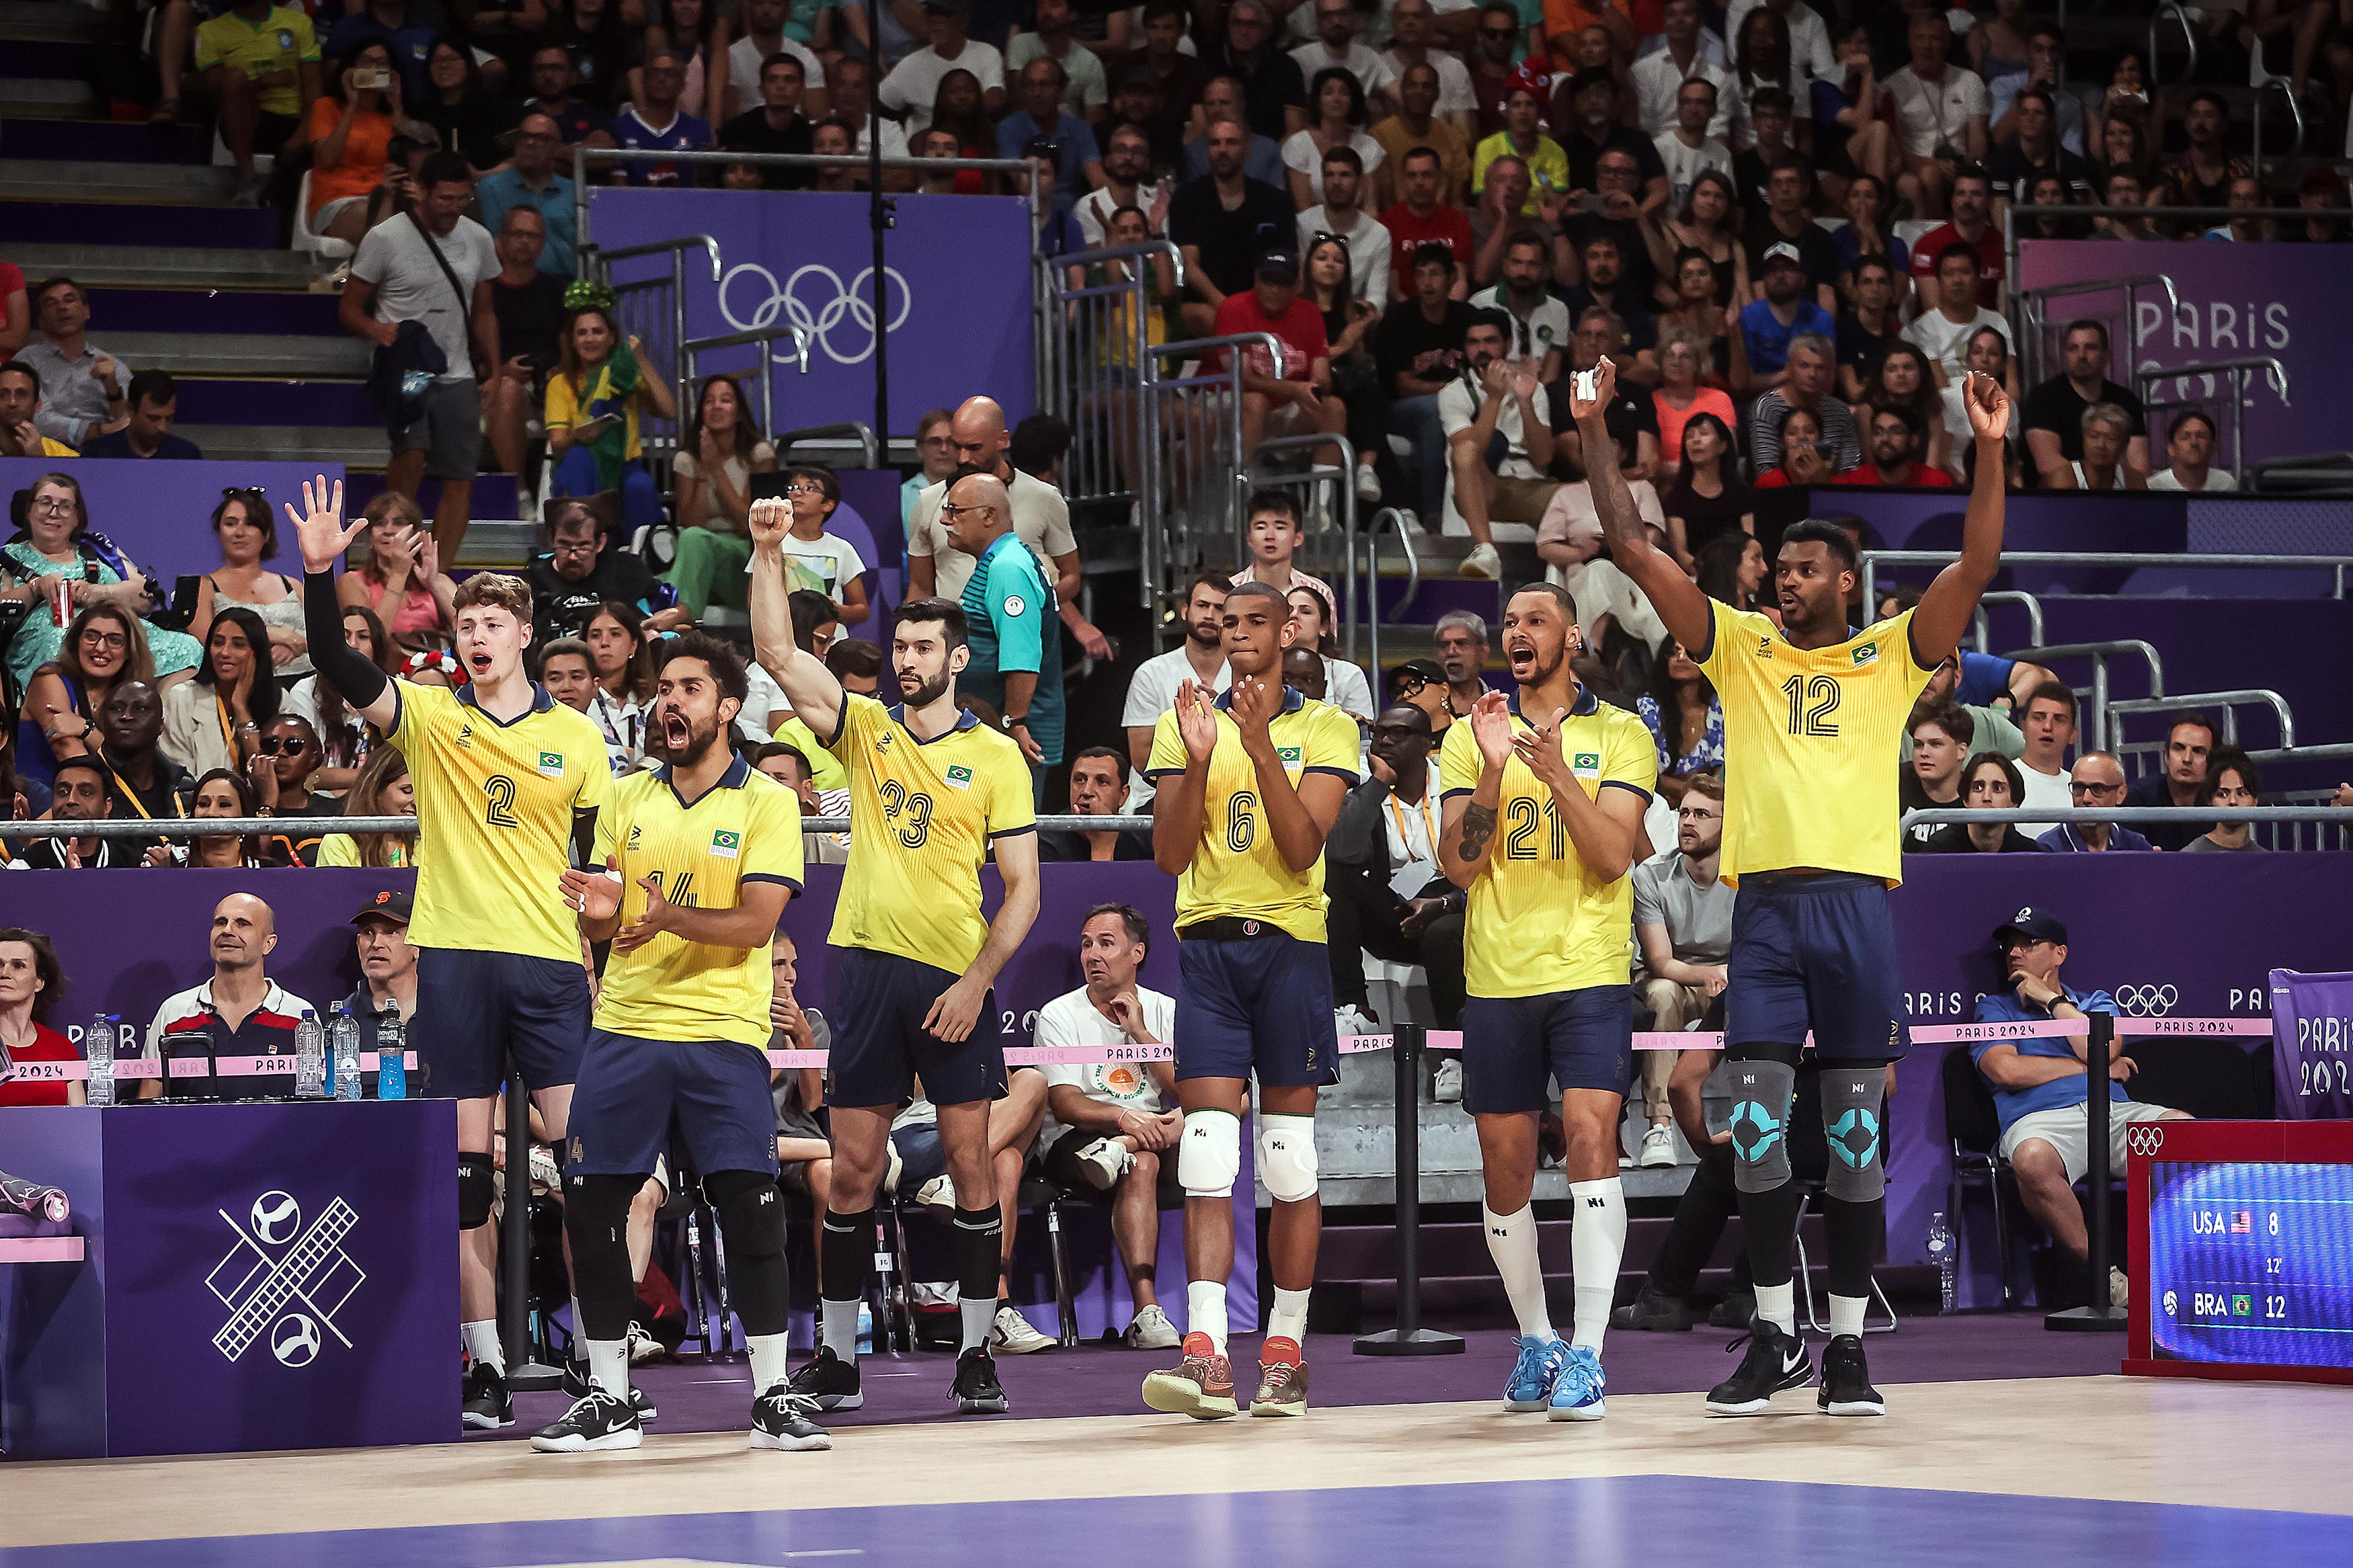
(1478, 826)
(1621, 524)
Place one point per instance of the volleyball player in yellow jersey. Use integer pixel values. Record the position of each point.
(1543, 794)
(1813, 716)
(505, 777)
(1248, 784)
(932, 792)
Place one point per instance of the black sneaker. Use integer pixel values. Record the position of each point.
(976, 1391)
(594, 1424)
(1738, 1310)
(1654, 1310)
(827, 1381)
(489, 1406)
(782, 1419)
(1846, 1381)
(1775, 1361)
(575, 1387)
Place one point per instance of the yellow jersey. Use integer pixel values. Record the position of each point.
(825, 771)
(922, 816)
(1236, 872)
(746, 828)
(1808, 738)
(1539, 920)
(496, 803)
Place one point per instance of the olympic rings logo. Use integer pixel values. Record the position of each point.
(814, 300)
(2142, 1139)
(2147, 1001)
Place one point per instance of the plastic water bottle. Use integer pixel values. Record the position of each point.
(391, 1058)
(344, 1039)
(310, 1058)
(1941, 1253)
(98, 1047)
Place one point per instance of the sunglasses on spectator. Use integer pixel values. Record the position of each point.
(2086, 786)
(292, 746)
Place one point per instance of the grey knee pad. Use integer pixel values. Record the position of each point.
(1761, 1093)
(1852, 1123)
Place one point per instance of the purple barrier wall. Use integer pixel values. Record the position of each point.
(159, 512)
(2236, 301)
(956, 299)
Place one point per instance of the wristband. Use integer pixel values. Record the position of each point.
(1020, 720)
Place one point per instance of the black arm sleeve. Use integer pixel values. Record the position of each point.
(357, 678)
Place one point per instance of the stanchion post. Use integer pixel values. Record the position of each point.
(2102, 1315)
(524, 1374)
(1408, 1338)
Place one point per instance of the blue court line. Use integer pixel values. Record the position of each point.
(1639, 1522)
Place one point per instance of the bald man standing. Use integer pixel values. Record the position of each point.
(1040, 516)
(246, 1013)
(1009, 609)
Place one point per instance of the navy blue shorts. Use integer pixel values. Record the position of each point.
(475, 1009)
(879, 1044)
(1814, 952)
(1512, 1045)
(637, 1095)
(1260, 1004)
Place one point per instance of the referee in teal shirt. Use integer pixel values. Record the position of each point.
(1014, 621)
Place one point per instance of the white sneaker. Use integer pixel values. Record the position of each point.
(1013, 1334)
(892, 1167)
(1105, 1161)
(1353, 1020)
(1150, 1330)
(939, 1193)
(1446, 1084)
(643, 1346)
(1482, 562)
(1658, 1147)
(2119, 1288)
(1368, 485)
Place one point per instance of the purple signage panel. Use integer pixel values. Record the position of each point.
(53, 1315)
(2312, 1046)
(2235, 302)
(160, 512)
(956, 291)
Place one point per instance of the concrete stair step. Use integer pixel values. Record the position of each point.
(208, 267)
(242, 353)
(207, 400)
(141, 224)
(176, 309)
(106, 141)
(45, 97)
(354, 447)
(42, 180)
(50, 21)
(507, 544)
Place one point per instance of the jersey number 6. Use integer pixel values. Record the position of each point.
(1241, 822)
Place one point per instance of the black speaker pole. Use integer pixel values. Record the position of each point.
(524, 1374)
(1408, 1338)
(879, 216)
(2102, 1315)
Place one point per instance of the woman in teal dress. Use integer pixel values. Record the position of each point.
(56, 539)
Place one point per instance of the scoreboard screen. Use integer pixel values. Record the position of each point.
(2242, 1266)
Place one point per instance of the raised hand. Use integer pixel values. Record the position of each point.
(1491, 726)
(1128, 1013)
(1988, 406)
(1540, 749)
(770, 519)
(1605, 386)
(427, 553)
(319, 525)
(1255, 703)
(1196, 722)
(1524, 377)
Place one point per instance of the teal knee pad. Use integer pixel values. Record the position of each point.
(1851, 1098)
(1761, 1091)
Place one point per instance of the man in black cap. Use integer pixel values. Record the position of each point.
(1294, 398)
(388, 987)
(2039, 1084)
(1421, 683)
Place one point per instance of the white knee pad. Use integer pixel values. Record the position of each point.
(1286, 1156)
(1211, 1156)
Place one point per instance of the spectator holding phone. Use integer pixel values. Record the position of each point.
(347, 138)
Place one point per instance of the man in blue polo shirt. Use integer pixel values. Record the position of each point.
(1042, 118)
(1014, 621)
(2039, 1084)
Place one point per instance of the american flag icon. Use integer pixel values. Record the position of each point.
(2241, 1222)
(258, 1284)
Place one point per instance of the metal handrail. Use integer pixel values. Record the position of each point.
(244, 826)
(1396, 517)
(869, 448)
(2146, 377)
(1230, 378)
(2137, 559)
(2099, 653)
(1984, 628)
(2263, 92)
(690, 364)
(2228, 701)
(2189, 37)
(654, 248)
(1946, 816)
(2029, 305)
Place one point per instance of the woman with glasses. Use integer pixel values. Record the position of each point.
(282, 770)
(383, 789)
(247, 536)
(720, 452)
(59, 542)
(103, 646)
(817, 561)
(216, 721)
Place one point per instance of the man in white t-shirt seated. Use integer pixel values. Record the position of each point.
(2190, 444)
(2048, 722)
(1118, 1122)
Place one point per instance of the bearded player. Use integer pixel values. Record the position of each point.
(1544, 792)
(1812, 712)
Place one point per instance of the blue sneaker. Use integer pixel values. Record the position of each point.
(1577, 1396)
(1534, 1375)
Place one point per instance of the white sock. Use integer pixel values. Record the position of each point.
(838, 1321)
(770, 1360)
(1511, 1243)
(976, 1318)
(609, 1364)
(1205, 1310)
(1289, 1319)
(1778, 1305)
(1846, 1314)
(1597, 1246)
(481, 1342)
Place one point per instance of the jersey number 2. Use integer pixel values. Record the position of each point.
(499, 809)
(1812, 700)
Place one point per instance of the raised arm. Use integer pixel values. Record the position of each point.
(369, 692)
(1676, 597)
(1950, 602)
(814, 694)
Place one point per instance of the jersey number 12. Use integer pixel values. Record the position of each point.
(1812, 700)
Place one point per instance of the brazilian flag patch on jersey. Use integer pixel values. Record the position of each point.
(960, 776)
(727, 845)
(1867, 654)
(552, 764)
(1586, 764)
(1290, 755)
